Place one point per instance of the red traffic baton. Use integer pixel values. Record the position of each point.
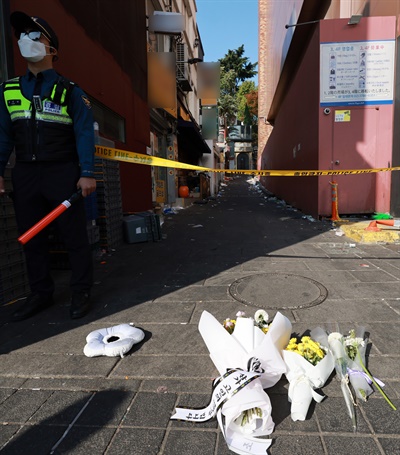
(30, 233)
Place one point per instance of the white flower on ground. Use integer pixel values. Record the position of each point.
(240, 314)
(261, 317)
(334, 336)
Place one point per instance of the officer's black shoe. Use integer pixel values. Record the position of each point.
(34, 304)
(80, 304)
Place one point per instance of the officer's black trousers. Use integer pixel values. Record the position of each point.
(38, 188)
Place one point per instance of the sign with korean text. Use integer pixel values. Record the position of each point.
(357, 73)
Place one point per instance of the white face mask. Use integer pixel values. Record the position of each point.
(33, 51)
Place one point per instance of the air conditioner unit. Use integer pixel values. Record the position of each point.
(182, 68)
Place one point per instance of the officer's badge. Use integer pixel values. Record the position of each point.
(87, 102)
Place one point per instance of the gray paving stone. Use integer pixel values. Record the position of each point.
(200, 386)
(225, 278)
(366, 290)
(362, 310)
(166, 312)
(384, 367)
(196, 293)
(60, 408)
(390, 446)
(373, 276)
(297, 445)
(150, 410)
(86, 440)
(165, 366)
(107, 407)
(333, 417)
(188, 442)
(7, 431)
(174, 339)
(385, 336)
(354, 445)
(5, 393)
(136, 441)
(38, 439)
(25, 364)
(382, 417)
(394, 303)
(82, 384)
(20, 406)
(389, 266)
(347, 264)
(59, 339)
(330, 276)
(11, 383)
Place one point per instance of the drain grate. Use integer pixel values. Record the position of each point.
(278, 291)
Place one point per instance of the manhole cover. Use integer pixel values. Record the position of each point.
(278, 291)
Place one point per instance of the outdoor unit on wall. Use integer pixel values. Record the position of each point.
(182, 68)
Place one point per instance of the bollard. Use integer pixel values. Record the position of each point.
(335, 213)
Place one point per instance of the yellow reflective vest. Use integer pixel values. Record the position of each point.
(42, 127)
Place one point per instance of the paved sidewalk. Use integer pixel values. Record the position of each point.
(53, 399)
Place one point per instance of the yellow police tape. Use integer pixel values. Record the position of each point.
(138, 158)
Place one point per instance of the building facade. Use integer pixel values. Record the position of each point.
(313, 116)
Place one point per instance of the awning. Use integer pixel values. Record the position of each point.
(191, 144)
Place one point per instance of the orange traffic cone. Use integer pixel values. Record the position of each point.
(394, 223)
(372, 227)
(335, 213)
(373, 224)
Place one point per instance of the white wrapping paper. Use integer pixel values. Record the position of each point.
(358, 378)
(233, 393)
(338, 351)
(303, 379)
(248, 349)
(247, 342)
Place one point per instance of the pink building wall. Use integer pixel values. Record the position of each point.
(304, 137)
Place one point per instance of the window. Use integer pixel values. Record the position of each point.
(110, 123)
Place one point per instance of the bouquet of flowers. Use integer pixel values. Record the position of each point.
(336, 345)
(247, 354)
(355, 347)
(237, 341)
(361, 380)
(309, 365)
(349, 354)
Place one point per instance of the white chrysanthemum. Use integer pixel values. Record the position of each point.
(240, 314)
(261, 317)
(354, 342)
(334, 336)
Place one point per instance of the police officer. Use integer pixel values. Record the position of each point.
(47, 120)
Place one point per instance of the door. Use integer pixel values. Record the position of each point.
(355, 147)
(242, 161)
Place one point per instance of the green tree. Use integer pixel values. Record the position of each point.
(235, 68)
(244, 89)
(247, 119)
(228, 103)
(241, 66)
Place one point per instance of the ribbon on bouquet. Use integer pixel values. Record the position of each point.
(224, 388)
(304, 379)
(364, 375)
